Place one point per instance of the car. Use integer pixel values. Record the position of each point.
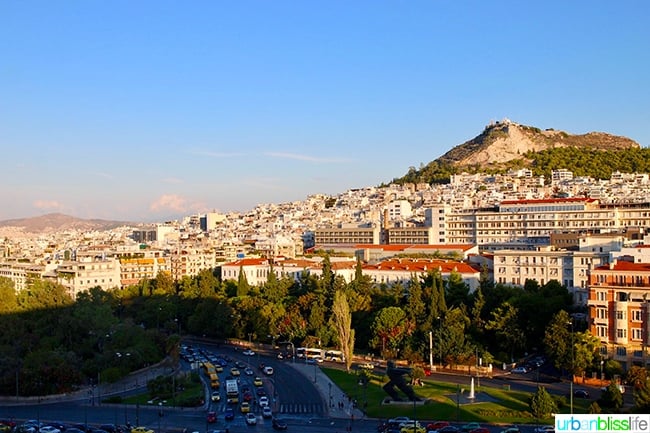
(248, 371)
(260, 391)
(251, 418)
(210, 418)
(263, 401)
(49, 429)
(449, 429)
(400, 420)
(480, 430)
(437, 425)
(545, 429)
(215, 396)
(519, 370)
(218, 368)
(248, 352)
(268, 370)
(248, 396)
(367, 366)
(267, 412)
(513, 429)
(147, 430)
(234, 371)
(410, 428)
(470, 426)
(279, 424)
(245, 407)
(229, 414)
(257, 381)
(581, 393)
(111, 428)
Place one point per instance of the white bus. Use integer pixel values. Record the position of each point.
(334, 356)
(232, 391)
(310, 353)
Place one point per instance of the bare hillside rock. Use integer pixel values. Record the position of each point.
(504, 141)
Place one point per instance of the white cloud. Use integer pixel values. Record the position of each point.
(48, 205)
(309, 158)
(169, 202)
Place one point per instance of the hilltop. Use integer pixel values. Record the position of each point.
(56, 222)
(508, 145)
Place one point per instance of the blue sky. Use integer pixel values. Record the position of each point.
(145, 110)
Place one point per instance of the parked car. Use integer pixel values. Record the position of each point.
(513, 429)
(449, 429)
(400, 420)
(145, 429)
(480, 430)
(437, 425)
(251, 418)
(545, 429)
(581, 393)
(279, 424)
(470, 426)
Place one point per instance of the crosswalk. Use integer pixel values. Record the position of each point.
(293, 408)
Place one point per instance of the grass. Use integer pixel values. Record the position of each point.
(508, 407)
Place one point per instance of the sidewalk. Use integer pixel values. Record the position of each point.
(332, 395)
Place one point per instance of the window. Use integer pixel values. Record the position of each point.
(621, 351)
(637, 315)
(621, 333)
(637, 334)
(601, 295)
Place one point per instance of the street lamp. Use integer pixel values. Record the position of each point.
(572, 366)
(440, 339)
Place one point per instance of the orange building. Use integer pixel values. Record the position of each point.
(619, 297)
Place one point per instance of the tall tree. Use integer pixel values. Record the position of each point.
(505, 324)
(389, 328)
(242, 283)
(343, 324)
(558, 341)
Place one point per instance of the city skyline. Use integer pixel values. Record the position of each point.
(149, 110)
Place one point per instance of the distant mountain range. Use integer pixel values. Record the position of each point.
(57, 222)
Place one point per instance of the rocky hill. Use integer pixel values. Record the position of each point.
(56, 222)
(504, 141)
(506, 145)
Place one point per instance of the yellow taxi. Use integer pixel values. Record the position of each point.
(234, 372)
(245, 407)
(257, 381)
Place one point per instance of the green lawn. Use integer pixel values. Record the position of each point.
(508, 407)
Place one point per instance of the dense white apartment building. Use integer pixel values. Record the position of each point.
(569, 268)
(88, 272)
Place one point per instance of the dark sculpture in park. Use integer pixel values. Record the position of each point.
(396, 376)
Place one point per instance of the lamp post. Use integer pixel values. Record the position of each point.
(572, 367)
(440, 340)
(602, 361)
